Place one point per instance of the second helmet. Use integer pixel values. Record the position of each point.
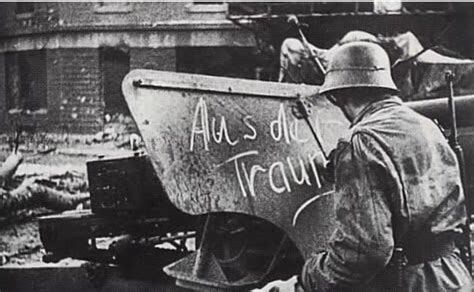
(358, 64)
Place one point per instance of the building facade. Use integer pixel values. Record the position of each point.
(62, 64)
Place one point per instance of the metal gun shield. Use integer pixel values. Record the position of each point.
(232, 145)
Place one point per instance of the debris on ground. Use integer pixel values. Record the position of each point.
(34, 192)
(58, 193)
(20, 243)
(31, 190)
(9, 167)
(120, 129)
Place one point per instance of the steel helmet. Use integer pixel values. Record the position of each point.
(358, 64)
(358, 35)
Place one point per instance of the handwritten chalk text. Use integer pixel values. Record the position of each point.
(247, 174)
(201, 127)
(279, 176)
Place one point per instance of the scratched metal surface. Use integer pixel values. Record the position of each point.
(232, 145)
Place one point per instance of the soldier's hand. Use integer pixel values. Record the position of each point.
(290, 285)
(329, 171)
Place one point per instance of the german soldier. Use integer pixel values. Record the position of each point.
(399, 198)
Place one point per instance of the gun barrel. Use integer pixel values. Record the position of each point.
(438, 109)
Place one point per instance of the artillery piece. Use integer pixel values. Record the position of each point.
(227, 164)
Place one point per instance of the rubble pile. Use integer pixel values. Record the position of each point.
(120, 129)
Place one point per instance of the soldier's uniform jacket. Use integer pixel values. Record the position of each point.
(396, 177)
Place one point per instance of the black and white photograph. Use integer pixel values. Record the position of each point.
(236, 146)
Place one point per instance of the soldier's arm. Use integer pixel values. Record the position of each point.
(362, 243)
